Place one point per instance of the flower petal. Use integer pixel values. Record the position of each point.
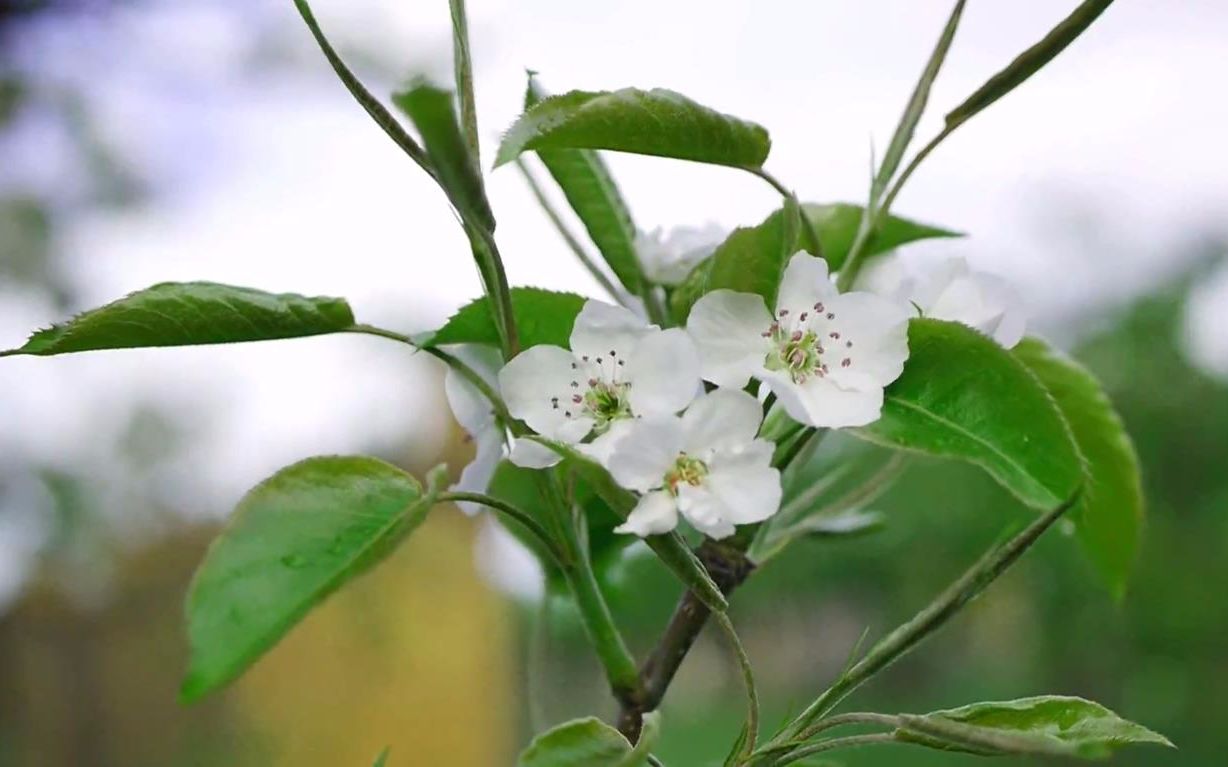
(820, 402)
(475, 477)
(469, 406)
(804, 284)
(656, 513)
(528, 454)
(602, 330)
(705, 511)
(601, 449)
(643, 455)
(536, 387)
(746, 483)
(723, 419)
(728, 330)
(663, 371)
(865, 339)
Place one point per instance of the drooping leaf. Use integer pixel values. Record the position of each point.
(669, 547)
(542, 317)
(1109, 516)
(590, 190)
(293, 540)
(589, 742)
(837, 225)
(433, 113)
(750, 260)
(1052, 725)
(656, 122)
(963, 396)
(191, 313)
(1028, 63)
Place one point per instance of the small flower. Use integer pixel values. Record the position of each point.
(476, 416)
(619, 368)
(706, 465)
(667, 258)
(951, 291)
(826, 355)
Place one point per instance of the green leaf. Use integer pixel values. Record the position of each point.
(382, 759)
(656, 122)
(590, 190)
(191, 313)
(963, 396)
(1028, 63)
(589, 742)
(433, 114)
(1109, 517)
(750, 260)
(542, 317)
(293, 540)
(1048, 725)
(670, 547)
(837, 225)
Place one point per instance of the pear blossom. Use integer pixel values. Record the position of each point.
(706, 465)
(619, 368)
(475, 414)
(951, 290)
(826, 355)
(668, 257)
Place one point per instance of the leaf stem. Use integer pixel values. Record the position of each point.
(508, 510)
(812, 233)
(572, 243)
(748, 681)
(851, 741)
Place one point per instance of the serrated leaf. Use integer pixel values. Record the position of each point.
(542, 317)
(293, 540)
(750, 260)
(589, 742)
(1108, 519)
(191, 313)
(432, 111)
(1052, 725)
(586, 182)
(963, 396)
(656, 122)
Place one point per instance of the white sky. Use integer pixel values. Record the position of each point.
(1081, 186)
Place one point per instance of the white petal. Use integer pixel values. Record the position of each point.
(528, 454)
(728, 330)
(668, 258)
(804, 284)
(887, 276)
(722, 419)
(705, 511)
(475, 477)
(663, 371)
(820, 402)
(646, 452)
(601, 449)
(653, 515)
(536, 387)
(603, 328)
(865, 340)
(746, 484)
(470, 407)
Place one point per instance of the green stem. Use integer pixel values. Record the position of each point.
(852, 741)
(748, 681)
(812, 233)
(509, 511)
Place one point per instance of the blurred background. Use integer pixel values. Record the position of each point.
(152, 140)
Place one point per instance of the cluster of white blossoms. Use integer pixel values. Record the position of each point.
(631, 396)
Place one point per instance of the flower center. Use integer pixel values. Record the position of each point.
(607, 401)
(797, 352)
(686, 470)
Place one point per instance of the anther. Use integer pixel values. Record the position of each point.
(831, 316)
(834, 335)
(845, 362)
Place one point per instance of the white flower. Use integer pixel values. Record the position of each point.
(826, 355)
(476, 416)
(667, 258)
(706, 465)
(619, 368)
(953, 291)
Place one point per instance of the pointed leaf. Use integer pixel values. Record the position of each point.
(963, 396)
(837, 225)
(542, 317)
(191, 313)
(1109, 517)
(382, 759)
(433, 114)
(589, 742)
(292, 541)
(590, 190)
(656, 122)
(1049, 725)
